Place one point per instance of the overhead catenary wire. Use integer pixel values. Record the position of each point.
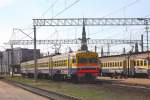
(66, 8)
(122, 8)
(51, 6)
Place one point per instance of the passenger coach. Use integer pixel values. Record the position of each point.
(135, 65)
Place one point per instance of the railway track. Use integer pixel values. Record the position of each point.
(48, 94)
(121, 85)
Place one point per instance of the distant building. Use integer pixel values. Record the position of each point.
(9, 59)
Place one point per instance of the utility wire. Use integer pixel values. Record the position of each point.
(66, 8)
(126, 6)
(50, 7)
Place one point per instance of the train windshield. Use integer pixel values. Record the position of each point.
(82, 60)
(92, 60)
(87, 60)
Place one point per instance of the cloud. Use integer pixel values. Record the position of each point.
(5, 3)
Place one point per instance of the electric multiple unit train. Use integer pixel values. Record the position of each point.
(80, 65)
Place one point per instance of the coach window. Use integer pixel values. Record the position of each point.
(134, 62)
(145, 62)
(60, 63)
(56, 63)
(74, 60)
(108, 64)
(141, 62)
(137, 62)
(63, 62)
(118, 64)
(105, 64)
(115, 64)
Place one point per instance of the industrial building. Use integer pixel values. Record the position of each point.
(10, 59)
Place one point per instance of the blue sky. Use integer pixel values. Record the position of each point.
(19, 14)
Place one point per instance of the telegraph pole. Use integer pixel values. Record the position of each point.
(35, 57)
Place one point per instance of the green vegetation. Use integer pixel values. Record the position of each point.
(84, 91)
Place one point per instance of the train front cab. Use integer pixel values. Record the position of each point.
(87, 67)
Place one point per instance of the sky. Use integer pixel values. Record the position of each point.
(19, 14)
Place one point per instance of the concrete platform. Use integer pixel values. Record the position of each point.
(9, 92)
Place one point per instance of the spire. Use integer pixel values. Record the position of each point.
(136, 47)
(84, 39)
(102, 52)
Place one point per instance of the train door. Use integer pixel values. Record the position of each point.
(69, 65)
(131, 67)
(125, 67)
(50, 65)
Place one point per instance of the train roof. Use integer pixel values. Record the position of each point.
(121, 55)
(59, 56)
